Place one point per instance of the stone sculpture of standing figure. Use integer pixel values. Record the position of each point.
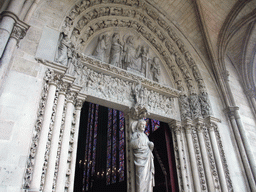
(100, 50)
(143, 159)
(155, 69)
(116, 51)
(130, 53)
(64, 45)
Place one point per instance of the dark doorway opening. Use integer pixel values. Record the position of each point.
(166, 179)
(100, 162)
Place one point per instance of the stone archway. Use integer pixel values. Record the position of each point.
(76, 76)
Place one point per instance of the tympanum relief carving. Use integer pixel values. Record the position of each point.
(126, 51)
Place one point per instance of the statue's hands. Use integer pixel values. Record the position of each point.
(151, 145)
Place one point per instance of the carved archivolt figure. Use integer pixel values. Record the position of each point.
(143, 158)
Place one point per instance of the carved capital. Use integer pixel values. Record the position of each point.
(225, 75)
(18, 32)
(79, 104)
(199, 124)
(55, 78)
(63, 86)
(231, 111)
(211, 122)
(19, 29)
(176, 126)
(187, 124)
(71, 95)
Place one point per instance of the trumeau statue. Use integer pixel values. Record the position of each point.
(131, 55)
(143, 158)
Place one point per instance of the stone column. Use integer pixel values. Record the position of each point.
(216, 152)
(232, 113)
(176, 126)
(9, 18)
(247, 147)
(209, 178)
(188, 128)
(39, 159)
(55, 139)
(79, 105)
(18, 31)
(61, 178)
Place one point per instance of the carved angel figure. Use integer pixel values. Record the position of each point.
(143, 158)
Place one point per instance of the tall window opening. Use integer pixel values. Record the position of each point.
(101, 150)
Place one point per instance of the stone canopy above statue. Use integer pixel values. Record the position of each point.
(127, 51)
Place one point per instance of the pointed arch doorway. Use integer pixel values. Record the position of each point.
(101, 162)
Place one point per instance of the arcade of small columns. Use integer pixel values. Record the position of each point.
(200, 160)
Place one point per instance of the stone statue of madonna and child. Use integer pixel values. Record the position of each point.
(143, 158)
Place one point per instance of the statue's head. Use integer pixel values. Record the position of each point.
(141, 125)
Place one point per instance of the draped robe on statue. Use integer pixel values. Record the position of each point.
(143, 161)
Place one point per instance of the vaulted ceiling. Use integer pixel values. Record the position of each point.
(229, 26)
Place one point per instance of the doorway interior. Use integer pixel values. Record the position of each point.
(101, 162)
